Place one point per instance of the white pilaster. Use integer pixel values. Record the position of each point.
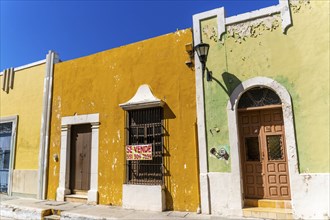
(63, 188)
(93, 192)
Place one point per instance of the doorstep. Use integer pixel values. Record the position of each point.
(80, 198)
(267, 208)
(268, 213)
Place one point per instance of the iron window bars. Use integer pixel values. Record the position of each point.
(145, 127)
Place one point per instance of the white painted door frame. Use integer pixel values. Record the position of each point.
(13, 119)
(66, 123)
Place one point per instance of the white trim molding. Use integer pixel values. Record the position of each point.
(51, 59)
(201, 127)
(282, 8)
(14, 120)
(27, 65)
(219, 13)
(63, 188)
(143, 98)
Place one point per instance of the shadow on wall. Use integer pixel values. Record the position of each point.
(230, 80)
(168, 114)
(230, 84)
(295, 135)
(197, 161)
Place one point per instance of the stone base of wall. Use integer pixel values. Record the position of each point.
(309, 195)
(25, 182)
(142, 197)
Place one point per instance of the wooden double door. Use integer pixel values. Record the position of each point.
(80, 158)
(263, 154)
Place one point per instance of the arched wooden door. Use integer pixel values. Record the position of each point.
(262, 146)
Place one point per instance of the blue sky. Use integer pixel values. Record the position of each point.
(28, 29)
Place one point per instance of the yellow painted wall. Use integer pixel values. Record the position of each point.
(25, 100)
(299, 60)
(100, 82)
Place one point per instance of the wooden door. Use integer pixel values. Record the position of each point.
(252, 165)
(263, 154)
(80, 164)
(274, 155)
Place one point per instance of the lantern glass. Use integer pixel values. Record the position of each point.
(202, 50)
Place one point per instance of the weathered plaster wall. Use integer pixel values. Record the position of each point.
(298, 60)
(25, 100)
(100, 82)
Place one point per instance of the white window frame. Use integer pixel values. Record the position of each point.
(13, 119)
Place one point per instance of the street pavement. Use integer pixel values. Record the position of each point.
(27, 208)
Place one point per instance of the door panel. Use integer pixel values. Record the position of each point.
(252, 165)
(276, 168)
(263, 154)
(80, 157)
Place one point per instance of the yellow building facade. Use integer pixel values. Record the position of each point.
(102, 92)
(22, 118)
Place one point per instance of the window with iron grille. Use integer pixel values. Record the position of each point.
(145, 127)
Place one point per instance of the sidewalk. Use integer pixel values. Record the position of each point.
(24, 208)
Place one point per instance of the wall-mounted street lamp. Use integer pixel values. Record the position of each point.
(202, 50)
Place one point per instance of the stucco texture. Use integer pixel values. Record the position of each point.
(299, 60)
(25, 100)
(100, 82)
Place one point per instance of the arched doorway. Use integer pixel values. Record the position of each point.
(263, 156)
(237, 199)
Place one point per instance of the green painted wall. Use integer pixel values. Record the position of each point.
(298, 60)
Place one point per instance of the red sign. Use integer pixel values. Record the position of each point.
(139, 152)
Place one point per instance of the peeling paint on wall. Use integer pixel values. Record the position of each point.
(297, 5)
(254, 28)
(210, 32)
(118, 135)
